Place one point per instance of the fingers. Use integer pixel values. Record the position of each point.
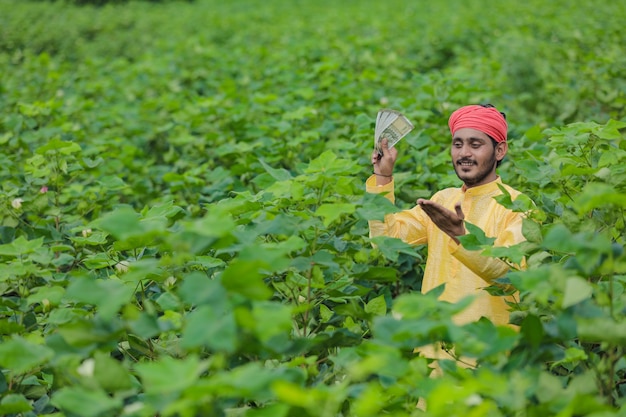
(384, 150)
(431, 208)
(384, 144)
(450, 222)
(375, 157)
(437, 211)
(387, 160)
(459, 211)
(376, 154)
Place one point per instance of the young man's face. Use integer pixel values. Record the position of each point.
(474, 157)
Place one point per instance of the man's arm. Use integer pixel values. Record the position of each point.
(487, 267)
(451, 223)
(408, 225)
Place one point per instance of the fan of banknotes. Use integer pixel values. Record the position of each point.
(392, 125)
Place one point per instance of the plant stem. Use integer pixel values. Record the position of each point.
(308, 298)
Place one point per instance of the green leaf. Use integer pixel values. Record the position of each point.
(332, 212)
(80, 332)
(379, 274)
(610, 130)
(576, 290)
(531, 230)
(532, 330)
(112, 183)
(122, 223)
(476, 238)
(21, 246)
(293, 394)
(280, 174)
(52, 295)
(271, 319)
(208, 262)
(328, 163)
(549, 388)
(534, 133)
(251, 380)
(169, 375)
(391, 248)
(559, 238)
(597, 195)
(57, 145)
(272, 410)
(197, 289)
(273, 257)
(601, 329)
(161, 211)
(244, 277)
(216, 223)
(212, 327)
(377, 306)
(19, 356)
(108, 295)
(482, 339)
(145, 325)
(111, 375)
(94, 239)
(573, 355)
(325, 313)
(409, 334)
(514, 253)
(13, 404)
(375, 207)
(85, 402)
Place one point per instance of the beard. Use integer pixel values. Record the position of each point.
(478, 173)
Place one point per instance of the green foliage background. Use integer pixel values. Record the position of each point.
(184, 223)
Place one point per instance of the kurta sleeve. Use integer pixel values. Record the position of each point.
(408, 225)
(489, 268)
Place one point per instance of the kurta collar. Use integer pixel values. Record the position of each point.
(484, 189)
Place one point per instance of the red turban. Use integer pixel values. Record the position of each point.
(486, 119)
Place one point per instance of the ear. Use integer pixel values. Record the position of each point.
(501, 150)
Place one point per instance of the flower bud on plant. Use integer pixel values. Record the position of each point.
(396, 315)
(87, 367)
(361, 256)
(17, 203)
(473, 400)
(122, 266)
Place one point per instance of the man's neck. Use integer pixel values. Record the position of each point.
(492, 179)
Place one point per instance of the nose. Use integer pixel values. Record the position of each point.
(466, 150)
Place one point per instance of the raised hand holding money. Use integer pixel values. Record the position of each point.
(383, 162)
(391, 125)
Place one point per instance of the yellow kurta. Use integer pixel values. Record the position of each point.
(464, 272)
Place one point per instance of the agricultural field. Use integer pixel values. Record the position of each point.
(184, 223)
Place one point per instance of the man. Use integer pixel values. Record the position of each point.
(479, 143)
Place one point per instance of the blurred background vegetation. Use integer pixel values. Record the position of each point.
(182, 194)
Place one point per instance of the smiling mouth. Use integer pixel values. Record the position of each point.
(466, 163)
